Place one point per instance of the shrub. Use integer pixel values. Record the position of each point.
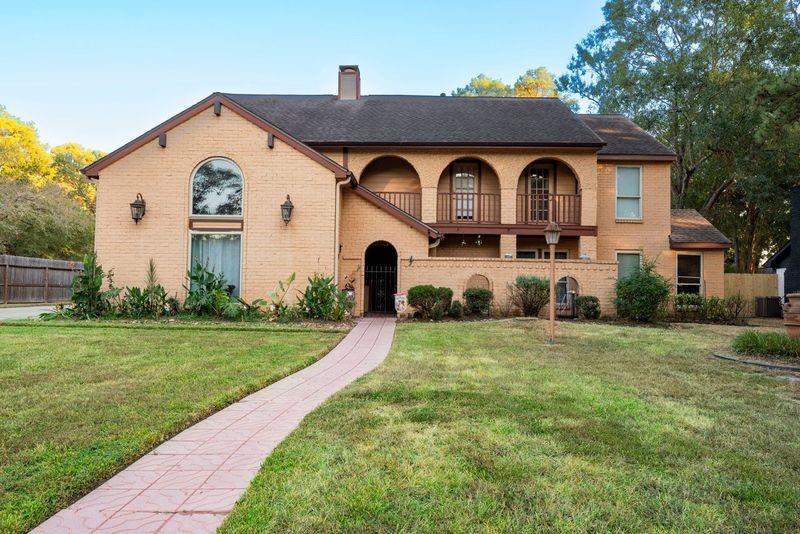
(241, 310)
(588, 306)
(277, 306)
(478, 300)
(456, 310)
(642, 296)
(207, 292)
(322, 299)
(430, 302)
(767, 344)
(89, 299)
(693, 307)
(529, 294)
(152, 301)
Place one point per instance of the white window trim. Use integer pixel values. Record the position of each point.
(638, 252)
(241, 253)
(193, 215)
(617, 197)
(702, 267)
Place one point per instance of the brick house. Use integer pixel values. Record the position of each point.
(393, 191)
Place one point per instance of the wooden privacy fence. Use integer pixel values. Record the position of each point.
(36, 279)
(751, 286)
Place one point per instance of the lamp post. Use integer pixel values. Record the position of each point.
(551, 235)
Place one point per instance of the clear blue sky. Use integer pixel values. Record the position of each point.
(101, 73)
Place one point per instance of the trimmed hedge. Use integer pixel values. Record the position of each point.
(430, 302)
(642, 296)
(478, 301)
(529, 294)
(767, 344)
(588, 306)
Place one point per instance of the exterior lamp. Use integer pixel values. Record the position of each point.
(551, 234)
(138, 208)
(286, 210)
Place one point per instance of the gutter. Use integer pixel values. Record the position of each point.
(350, 180)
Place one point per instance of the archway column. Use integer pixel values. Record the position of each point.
(429, 199)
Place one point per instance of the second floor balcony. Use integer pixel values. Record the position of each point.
(469, 193)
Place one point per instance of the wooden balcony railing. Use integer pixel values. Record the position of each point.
(408, 202)
(468, 207)
(536, 209)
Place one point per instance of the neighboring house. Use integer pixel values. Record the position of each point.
(393, 191)
(778, 263)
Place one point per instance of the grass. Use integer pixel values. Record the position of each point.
(482, 427)
(768, 345)
(78, 402)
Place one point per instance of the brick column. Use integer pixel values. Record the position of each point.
(587, 244)
(508, 205)
(429, 199)
(508, 245)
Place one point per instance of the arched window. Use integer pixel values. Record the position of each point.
(217, 189)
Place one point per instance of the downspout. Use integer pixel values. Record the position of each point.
(351, 181)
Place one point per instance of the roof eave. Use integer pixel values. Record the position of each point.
(93, 170)
(698, 245)
(636, 157)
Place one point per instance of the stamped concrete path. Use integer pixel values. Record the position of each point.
(191, 482)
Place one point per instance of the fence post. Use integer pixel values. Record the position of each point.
(5, 283)
(46, 284)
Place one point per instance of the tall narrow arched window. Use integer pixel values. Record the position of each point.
(217, 189)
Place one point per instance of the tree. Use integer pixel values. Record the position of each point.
(694, 73)
(482, 85)
(46, 204)
(42, 222)
(68, 160)
(22, 156)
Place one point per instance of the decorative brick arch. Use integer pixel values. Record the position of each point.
(478, 281)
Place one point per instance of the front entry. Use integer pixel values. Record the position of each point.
(380, 278)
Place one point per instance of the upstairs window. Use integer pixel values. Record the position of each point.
(217, 189)
(629, 193)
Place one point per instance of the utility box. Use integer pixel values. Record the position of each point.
(768, 307)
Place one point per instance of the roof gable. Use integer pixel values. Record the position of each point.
(689, 229)
(215, 100)
(623, 137)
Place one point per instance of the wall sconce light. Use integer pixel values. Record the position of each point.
(286, 210)
(138, 208)
(479, 241)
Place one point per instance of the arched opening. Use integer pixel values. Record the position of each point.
(478, 281)
(548, 188)
(468, 191)
(394, 179)
(380, 278)
(566, 291)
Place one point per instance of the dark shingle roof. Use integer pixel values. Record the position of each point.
(624, 137)
(688, 226)
(422, 120)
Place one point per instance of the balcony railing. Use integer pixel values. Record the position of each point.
(408, 202)
(536, 209)
(468, 207)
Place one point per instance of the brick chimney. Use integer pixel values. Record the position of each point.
(792, 276)
(349, 82)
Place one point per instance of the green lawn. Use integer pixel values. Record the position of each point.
(78, 403)
(481, 427)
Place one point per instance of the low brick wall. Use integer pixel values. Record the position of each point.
(594, 277)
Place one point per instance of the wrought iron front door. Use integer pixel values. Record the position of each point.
(380, 283)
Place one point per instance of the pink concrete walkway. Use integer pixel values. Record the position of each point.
(191, 482)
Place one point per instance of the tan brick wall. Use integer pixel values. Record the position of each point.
(361, 224)
(594, 278)
(271, 250)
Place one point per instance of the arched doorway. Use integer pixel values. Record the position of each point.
(380, 277)
(566, 291)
